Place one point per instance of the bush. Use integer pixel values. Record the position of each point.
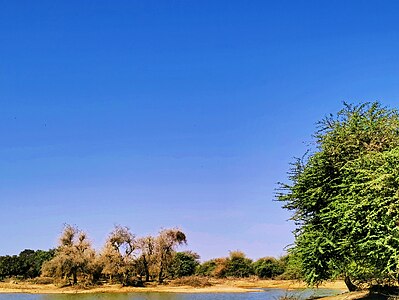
(268, 267)
(220, 268)
(206, 268)
(238, 265)
(183, 264)
(43, 280)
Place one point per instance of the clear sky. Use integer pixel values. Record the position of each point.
(171, 113)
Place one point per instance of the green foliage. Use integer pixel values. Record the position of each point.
(9, 266)
(238, 265)
(183, 264)
(292, 267)
(27, 264)
(268, 267)
(345, 197)
(31, 261)
(206, 268)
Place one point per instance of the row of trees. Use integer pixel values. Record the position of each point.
(238, 265)
(344, 195)
(27, 264)
(131, 261)
(124, 258)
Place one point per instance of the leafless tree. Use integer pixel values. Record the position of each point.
(117, 256)
(74, 256)
(165, 246)
(147, 259)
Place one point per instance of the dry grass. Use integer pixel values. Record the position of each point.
(42, 280)
(254, 282)
(193, 281)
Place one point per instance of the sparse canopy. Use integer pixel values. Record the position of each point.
(147, 260)
(117, 257)
(165, 246)
(73, 257)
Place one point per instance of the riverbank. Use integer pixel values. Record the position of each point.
(364, 295)
(217, 286)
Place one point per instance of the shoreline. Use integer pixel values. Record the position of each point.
(218, 286)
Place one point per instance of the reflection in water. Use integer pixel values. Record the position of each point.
(266, 294)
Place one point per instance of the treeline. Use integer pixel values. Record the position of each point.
(27, 264)
(238, 265)
(123, 259)
(130, 260)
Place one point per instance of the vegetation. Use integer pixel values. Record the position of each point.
(344, 195)
(123, 259)
(146, 262)
(27, 264)
(165, 245)
(268, 267)
(194, 281)
(131, 261)
(117, 258)
(73, 257)
(344, 198)
(239, 266)
(184, 264)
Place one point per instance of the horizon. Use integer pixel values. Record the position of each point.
(175, 114)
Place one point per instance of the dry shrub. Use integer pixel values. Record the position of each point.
(42, 280)
(62, 282)
(194, 281)
(221, 267)
(12, 280)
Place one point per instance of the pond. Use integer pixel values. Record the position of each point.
(265, 294)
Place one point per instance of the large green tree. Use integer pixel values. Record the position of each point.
(344, 196)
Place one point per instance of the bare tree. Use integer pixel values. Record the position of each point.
(147, 259)
(165, 246)
(117, 256)
(73, 257)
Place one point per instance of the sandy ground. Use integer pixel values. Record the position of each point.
(352, 296)
(219, 286)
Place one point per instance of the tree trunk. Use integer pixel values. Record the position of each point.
(349, 284)
(146, 271)
(75, 279)
(147, 276)
(160, 275)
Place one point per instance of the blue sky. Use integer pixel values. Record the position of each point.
(187, 113)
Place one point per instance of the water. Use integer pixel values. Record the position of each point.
(265, 294)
